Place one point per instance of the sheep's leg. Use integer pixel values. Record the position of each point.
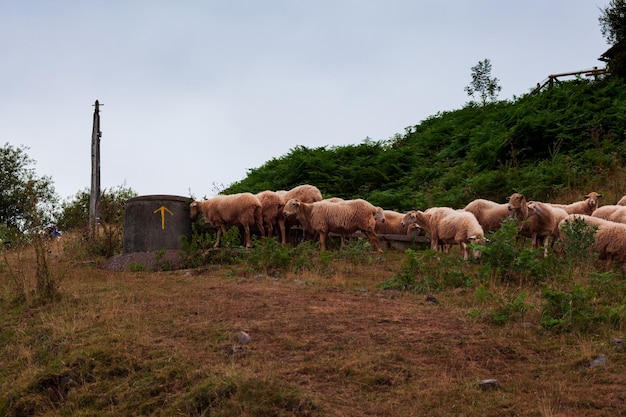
(246, 229)
(259, 225)
(270, 229)
(323, 236)
(283, 232)
(220, 231)
(373, 237)
(545, 246)
(465, 250)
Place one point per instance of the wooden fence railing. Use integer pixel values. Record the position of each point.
(555, 77)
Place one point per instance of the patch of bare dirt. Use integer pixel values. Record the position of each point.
(149, 261)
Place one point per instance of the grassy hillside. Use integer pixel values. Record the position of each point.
(340, 334)
(348, 332)
(569, 137)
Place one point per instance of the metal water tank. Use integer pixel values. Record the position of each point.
(155, 222)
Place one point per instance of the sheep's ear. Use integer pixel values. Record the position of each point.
(587, 196)
(600, 195)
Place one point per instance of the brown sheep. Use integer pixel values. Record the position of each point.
(307, 194)
(392, 224)
(272, 212)
(541, 224)
(610, 237)
(615, 213)
(491, 214)
(446, 226)
(222, 211)
(343, 218)
(586, 206)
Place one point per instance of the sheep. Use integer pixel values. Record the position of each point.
(615, 213)
(221, 211)
(491, 214)
(541, 224)
(306, 193)
(610, 237)
(448, 227)
(272, 212)
(586, 206)
(343, 218)
(392, 224)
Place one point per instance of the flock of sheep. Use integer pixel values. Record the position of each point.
(305, 207)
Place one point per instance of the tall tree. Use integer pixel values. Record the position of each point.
(19, 185)
(482, 83)
(613, 26)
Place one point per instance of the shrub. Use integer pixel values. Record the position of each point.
(573, 310)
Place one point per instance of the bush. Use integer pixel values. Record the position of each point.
(429, 271)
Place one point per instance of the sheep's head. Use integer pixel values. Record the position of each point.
(194, 209)
(409, 218)
(292, 207)
(593, 200)
(516, 200)
(379, 215)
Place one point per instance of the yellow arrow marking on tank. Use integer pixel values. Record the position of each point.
(163, 209)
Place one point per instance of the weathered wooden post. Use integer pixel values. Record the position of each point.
(96, 134)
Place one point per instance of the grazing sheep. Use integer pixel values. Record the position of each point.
(222, 211)
(559, 215)
(343, 218)
(615, 213)
(305, 193)
(541, 224)
(491, 214)
(542, 221)
(392, 224)
(272, 212)
(446, 226)
(586, 206)
(610, 237)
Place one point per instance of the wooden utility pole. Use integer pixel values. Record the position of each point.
(94, 199)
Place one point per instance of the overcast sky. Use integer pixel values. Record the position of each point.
(196, 93)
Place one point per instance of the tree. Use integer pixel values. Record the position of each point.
(482, 83)
(613, 21)
(19, 186)
(75, 216)
(613, 27)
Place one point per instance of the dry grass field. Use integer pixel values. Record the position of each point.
(323, 342)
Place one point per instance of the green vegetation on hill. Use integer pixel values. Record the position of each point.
(569, 137)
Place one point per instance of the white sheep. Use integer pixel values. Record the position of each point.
(615, 213)
(586, 206)
(446, 226)
(272, 212)
(610, 237)
(306, 193)
(491, 214)
(541, 224)
(223, 211)
(343, 218)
